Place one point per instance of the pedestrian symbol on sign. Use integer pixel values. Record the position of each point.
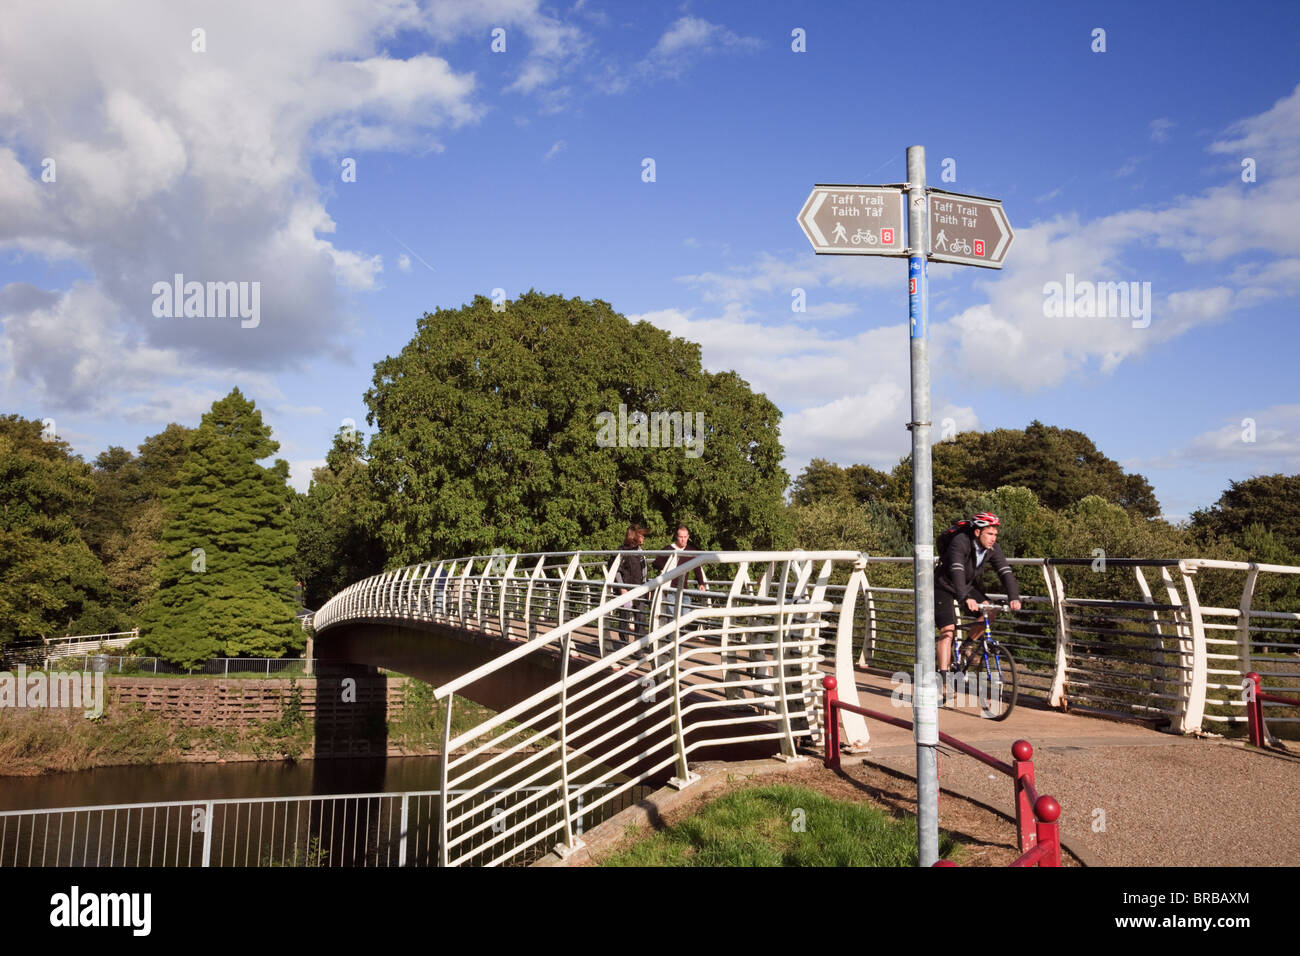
(979, 247)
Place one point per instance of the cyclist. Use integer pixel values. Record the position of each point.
(956, 578)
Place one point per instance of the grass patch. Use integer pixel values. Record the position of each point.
(38, 741)
(781, 826)
(419, 723)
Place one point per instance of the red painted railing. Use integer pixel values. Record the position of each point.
(1036, 817)
(1255, 709)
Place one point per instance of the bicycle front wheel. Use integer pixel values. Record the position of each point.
(1001, 689)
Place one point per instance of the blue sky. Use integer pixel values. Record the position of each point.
(522, 169)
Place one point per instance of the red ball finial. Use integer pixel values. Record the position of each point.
(1022, 750)
(829, 682)
(1048, 810)
(944, 863)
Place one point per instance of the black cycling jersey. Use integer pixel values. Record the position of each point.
(958, 576)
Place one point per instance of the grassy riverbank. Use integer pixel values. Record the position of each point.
(42, 740)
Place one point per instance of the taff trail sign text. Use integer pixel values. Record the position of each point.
(855, 220)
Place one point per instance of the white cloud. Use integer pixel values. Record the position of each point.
(1129, 167)
(555, 150)
(806, 371)
(769, 276)
(689, 35)
(1261, 442)
(300, 472)
(170, 161)
(1160, 129)
(1220, 222)
(686, 39)
(845, 395)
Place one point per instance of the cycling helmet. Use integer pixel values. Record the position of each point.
(984, 519)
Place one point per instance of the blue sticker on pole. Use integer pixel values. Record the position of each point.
(915, 296)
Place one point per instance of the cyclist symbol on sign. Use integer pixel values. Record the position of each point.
(865, 235)
(959, 246)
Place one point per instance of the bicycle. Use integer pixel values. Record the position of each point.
(996, 683)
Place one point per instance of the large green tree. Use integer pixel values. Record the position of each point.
(1272, 501)
(50, 582)
(1060, 465)
(494, 431)
(336, 523)
(225, 580)
(124, 524)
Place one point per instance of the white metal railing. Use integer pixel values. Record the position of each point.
(700, 668)
(57, 647)
(741, 655)
(1157, 652)
(355, 829)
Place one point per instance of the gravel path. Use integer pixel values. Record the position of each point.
(1185, 803)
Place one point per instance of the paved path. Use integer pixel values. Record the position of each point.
(1130, 796)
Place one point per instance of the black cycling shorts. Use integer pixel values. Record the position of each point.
(945, 613)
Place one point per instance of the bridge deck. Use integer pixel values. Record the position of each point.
(1130, 796)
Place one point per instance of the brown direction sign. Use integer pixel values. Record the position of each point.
(971, 230)
(855, 220)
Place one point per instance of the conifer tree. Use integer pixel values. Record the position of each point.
(226, 584)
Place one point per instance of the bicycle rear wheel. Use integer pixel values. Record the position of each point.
(1001, 690)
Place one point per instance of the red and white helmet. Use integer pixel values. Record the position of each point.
(985, 519)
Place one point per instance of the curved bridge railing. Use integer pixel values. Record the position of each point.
(651, 676)
(1154, 648)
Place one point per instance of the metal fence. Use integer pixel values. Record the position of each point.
(345, 830)
(222, 666)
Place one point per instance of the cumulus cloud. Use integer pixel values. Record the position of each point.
(845, 394)
(1261, 441)
(682, 44)
(172, 157)
(169, 161)
(1217, 224)
(806, 370)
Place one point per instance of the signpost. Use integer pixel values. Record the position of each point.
(966, 230)
(855, 220)
(969, 230)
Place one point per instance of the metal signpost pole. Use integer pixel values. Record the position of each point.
(925, 703)
(945, 227)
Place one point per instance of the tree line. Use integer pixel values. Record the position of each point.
(483, 434)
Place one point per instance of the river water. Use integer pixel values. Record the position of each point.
(210, 781)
